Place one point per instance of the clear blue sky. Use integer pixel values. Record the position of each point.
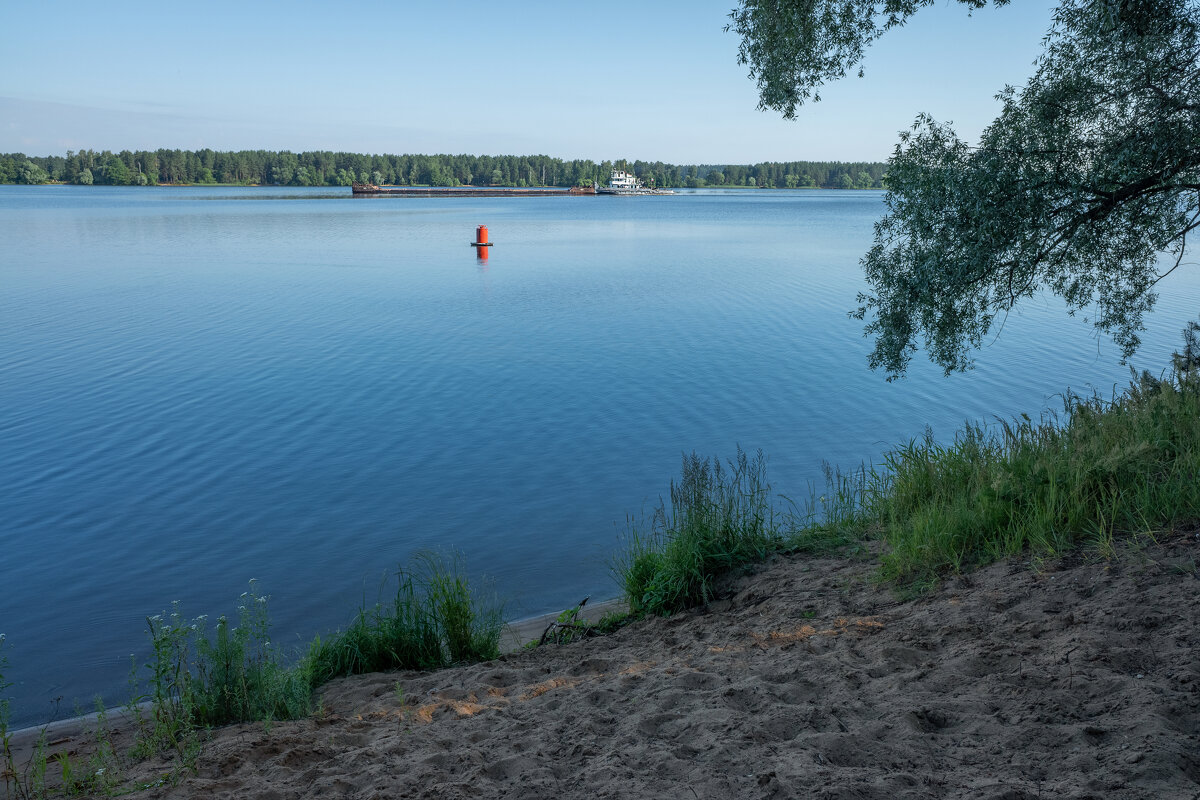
(622, 79)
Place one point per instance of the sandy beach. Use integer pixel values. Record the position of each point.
(1077, 679)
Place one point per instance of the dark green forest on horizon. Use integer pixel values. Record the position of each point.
(324, 168)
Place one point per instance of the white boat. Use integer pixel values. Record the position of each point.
(623, 182)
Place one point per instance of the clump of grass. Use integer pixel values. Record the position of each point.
(239, 675)
(567, 627)
(717, 519)
(235, 674)
(832, 518)
(435, 619)
(470, 625)
(400, 635)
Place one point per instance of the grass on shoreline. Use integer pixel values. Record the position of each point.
(435, 619)
(1097, 470)
(716, 520)
(199, 679)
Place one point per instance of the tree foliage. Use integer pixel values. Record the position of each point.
(793, 47)
(1088, 176)
(30, 172)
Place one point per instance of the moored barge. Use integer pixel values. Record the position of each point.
(371, 190)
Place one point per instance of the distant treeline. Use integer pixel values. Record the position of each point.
(323, 168)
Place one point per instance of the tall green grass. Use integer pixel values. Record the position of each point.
(400, 635)
(435, 619)
(1099, 469)
(716, 519)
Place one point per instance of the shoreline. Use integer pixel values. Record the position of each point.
(802, 677)
(515, 636)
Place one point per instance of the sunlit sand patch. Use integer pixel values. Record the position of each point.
(374, 715)
(798, 635)
(546, 686)
(802, 633)
(496, 698)
(461, 708)
(638, 668)
(860, 622)
(468, 709)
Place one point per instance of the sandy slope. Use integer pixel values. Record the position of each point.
(1082, 680)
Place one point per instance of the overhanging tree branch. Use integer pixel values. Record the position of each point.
(1090, 173)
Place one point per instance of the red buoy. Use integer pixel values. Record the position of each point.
(481, 243)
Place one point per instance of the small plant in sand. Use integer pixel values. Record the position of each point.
(100, 773)
(42, 774)
(104, 767)
(567, 627)
(570, 626)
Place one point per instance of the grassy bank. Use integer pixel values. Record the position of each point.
(1098, 469)
(200, 676)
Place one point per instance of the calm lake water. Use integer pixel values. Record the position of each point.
(203, 386)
